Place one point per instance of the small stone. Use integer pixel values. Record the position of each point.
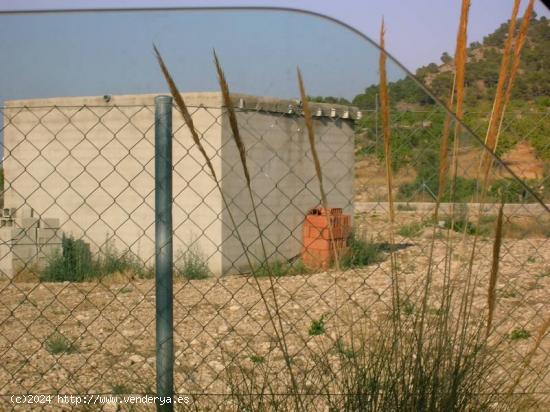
(216, 365)
(135, 358)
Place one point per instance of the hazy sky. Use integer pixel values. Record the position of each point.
(47, 55)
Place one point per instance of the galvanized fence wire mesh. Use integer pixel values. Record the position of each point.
(77, 297)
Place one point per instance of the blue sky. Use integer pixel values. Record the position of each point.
(48, 55)
(75, 54)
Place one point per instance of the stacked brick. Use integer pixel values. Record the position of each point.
(325, 234)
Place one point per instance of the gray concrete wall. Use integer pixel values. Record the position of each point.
(283, 180)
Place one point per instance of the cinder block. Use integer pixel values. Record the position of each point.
(23, 235)
(6, 222)
(5, 235)
(19, 237)
(24, 252)
(27, 222)
(45, 236)
(24, 211)
(49, 223)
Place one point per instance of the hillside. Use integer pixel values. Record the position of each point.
(530, 97)
(532, 83)
(417, 122)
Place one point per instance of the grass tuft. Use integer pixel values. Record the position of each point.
(280, 268)
(257, 359)
(57, 344)
(121, 389)
(411, 230)
(519, 334)
(317, 327)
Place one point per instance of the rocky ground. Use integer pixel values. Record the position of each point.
(89, 338)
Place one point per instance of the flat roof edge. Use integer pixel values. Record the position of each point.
(241, 101)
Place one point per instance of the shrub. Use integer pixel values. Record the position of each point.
(405, 207)
(460, 225)
(257, 359)
(343, 350)
(361, 252)
(509, 190)
(463, 191)
(120, 389)
(192, 265)
(74, 263)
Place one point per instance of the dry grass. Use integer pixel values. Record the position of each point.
(519, 42)
(458, 85)
(386, 130)
(184, 112)
(27, 274)
(233, 121)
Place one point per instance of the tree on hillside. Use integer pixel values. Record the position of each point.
(445, 58)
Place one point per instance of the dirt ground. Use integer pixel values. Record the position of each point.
(221, 321)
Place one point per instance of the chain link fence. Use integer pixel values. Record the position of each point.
(250, 330)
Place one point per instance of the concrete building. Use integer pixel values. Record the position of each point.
(89, 163)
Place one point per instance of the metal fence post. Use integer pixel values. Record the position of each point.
(163, 250)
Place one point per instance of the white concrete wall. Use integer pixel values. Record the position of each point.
(93, 168)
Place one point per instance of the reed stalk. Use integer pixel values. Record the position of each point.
(386, 130)
(492, 131)
(311, 137)
(457, 92)
(506, 79)
(496, 112)
(518, 46)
